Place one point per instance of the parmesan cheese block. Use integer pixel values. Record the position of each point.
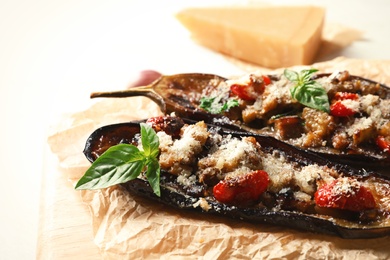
(269, 36)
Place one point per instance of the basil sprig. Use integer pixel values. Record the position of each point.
(125, 162)
(215, 106)
(307, 91)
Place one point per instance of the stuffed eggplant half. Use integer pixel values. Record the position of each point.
(339, 116)
(256, 178)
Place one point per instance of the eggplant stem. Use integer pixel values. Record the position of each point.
(133, 92)
(146, 91)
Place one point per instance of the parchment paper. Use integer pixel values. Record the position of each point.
(129, 227)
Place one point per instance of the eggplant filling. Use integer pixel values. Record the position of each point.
(357, 122)
(238, 171)
(341, 117)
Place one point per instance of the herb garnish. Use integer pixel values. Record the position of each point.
(124, 162)
(308, 91)
(214, 106)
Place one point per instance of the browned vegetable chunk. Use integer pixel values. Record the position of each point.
(289, 127)
(318, 126)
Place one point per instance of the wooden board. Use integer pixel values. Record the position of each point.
(65, 229)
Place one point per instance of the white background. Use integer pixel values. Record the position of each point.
(53, 53)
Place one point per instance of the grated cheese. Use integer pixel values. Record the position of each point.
(244, 80)
(276, 93)
(177, 155)
(233, 152)
(359, 124)
(186, 179)
(368, 102)
(202, 202)
(280, 173)
(345, 186)
(301, 196)
(164, 139)
(239, 156)
(354, 105)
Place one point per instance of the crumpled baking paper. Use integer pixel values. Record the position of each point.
(130, 227)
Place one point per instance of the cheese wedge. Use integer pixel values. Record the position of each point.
(270, 36)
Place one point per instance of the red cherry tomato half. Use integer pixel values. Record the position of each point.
(242, 91)
(266, 80)
(251, 90)
(242, 189)
(383, 143)
(359, 199)
(339, 109)
(345, 95)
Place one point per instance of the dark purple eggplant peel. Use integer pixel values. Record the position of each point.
(182, 94)
(173, 193)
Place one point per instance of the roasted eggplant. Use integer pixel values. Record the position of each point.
(253, 177)
(354, 131)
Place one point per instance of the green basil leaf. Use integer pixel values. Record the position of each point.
(229, 104)
(149, 140)
(214, 106)
(306, 75)
(308, 91)
(291, 75)
(295, 90)
(153, 175)
(207, 103)
(312, 95)
(119, 164)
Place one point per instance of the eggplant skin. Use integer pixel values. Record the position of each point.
(288, 219)
(105, 137)
(171, 195)
(181, 94)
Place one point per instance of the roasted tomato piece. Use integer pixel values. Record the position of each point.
(168, 124)
(345, 193)
(383, 143)
(266, 80)
(345, 95)
(242, 190)
(339, 106)
(250, 90)
(339, 109)
(243, 92)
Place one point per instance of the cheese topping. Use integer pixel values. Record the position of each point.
(346, 187)
(353, 105)
(179, 155)
(360, 124)
(201, 159)
(233, 157)
(313, 128)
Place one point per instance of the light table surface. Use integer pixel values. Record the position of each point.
(54, 53)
